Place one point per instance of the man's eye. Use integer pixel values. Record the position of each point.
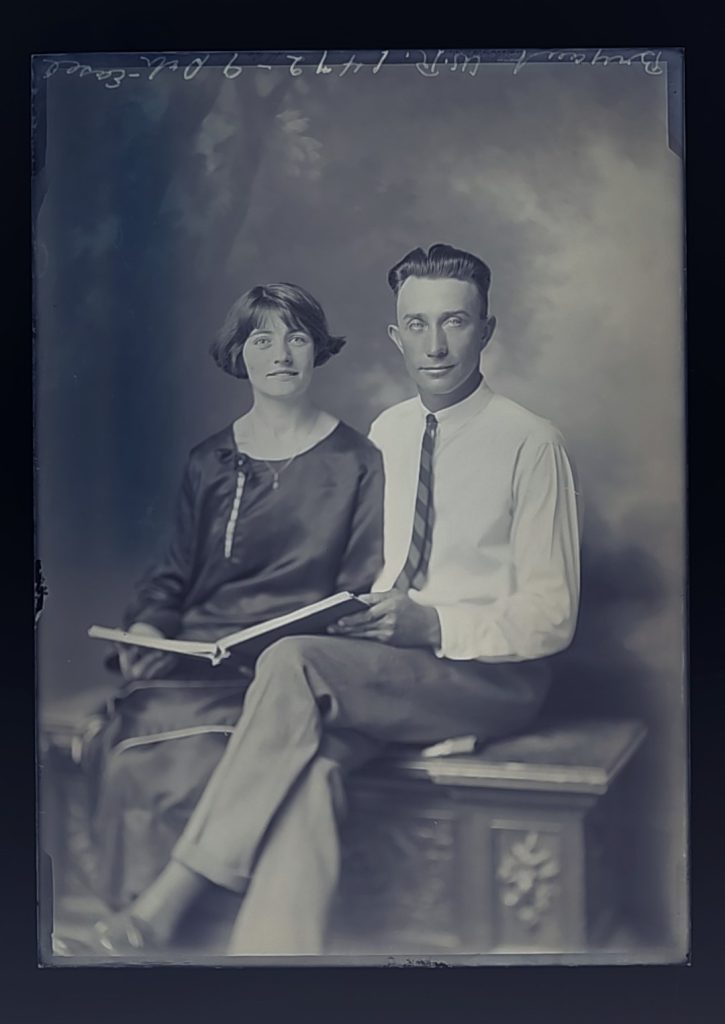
(416, 325)
(454, 321)
(261, 340)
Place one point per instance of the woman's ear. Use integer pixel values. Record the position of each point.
(394, 335)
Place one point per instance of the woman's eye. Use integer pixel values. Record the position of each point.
(261, 341)
(299, 339)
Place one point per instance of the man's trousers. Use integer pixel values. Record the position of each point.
(267, 823)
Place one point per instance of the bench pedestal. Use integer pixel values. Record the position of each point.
(519, 848)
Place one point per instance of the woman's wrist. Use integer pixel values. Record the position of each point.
(145, 629)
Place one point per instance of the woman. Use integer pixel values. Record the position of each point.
(278, 510)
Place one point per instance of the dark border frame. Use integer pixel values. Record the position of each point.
(592, 994)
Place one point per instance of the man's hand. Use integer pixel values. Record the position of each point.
(143, 662)
(392, 618)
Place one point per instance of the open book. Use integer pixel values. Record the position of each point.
(314, 618)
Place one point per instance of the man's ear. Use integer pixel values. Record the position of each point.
(488, 328)
(394, 335)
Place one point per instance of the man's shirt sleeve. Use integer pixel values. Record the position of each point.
(539, 617)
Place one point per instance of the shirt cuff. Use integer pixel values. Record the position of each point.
(484, 633)
(471, 633)
(455, 635)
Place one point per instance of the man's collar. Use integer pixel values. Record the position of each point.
(461, 412)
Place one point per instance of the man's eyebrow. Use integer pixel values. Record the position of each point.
(443, 316)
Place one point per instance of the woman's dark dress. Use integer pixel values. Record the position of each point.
(320, 531)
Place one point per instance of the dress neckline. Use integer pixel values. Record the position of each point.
(303, 451)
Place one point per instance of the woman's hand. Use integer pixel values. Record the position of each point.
(144, 662)
(392, 618)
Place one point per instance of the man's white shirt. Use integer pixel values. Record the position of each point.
(504, 565)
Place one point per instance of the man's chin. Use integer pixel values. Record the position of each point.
(438, 384)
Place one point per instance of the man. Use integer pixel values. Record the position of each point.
(480, 586)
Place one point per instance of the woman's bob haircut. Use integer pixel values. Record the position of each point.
(299, 310)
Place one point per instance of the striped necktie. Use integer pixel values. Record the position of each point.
(416, 564)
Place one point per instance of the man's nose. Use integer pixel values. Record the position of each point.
(437, 343)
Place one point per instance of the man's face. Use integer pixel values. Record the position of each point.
(440, 333)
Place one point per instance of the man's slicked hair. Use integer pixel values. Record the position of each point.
(443, 261)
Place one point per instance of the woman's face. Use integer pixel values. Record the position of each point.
(279, 359)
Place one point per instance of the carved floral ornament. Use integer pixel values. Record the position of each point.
(527, 871)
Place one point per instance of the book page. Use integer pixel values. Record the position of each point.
(122, 636)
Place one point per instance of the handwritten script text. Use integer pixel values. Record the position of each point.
(428, 64)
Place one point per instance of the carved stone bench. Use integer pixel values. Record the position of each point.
(521, 847)
(518, 848)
